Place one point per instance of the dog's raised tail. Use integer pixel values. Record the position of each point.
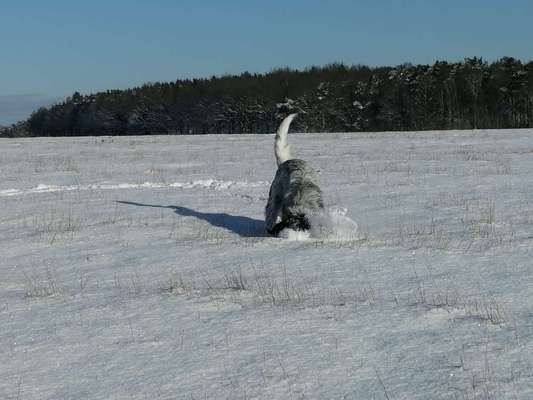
(282, 149)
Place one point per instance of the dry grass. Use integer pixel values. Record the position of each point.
(42, 285)
(55, 224)
(412, 234)
(274, 285)
(451, 299)
(485, 309)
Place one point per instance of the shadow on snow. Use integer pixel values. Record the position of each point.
(242, 226)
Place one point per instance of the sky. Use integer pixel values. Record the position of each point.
(50, 49)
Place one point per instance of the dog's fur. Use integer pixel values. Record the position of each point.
(294, 194)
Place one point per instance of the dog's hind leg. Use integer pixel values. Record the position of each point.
(273, 212)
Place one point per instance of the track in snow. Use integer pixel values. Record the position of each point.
(206, 183)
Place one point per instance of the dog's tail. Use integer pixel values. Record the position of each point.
(282, 149)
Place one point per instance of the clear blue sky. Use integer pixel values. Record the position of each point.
(55, 47)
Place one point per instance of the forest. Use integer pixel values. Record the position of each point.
(472, 94)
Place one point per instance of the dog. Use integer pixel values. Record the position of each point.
(294, 194)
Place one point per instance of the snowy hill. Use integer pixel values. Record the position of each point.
(137, 267)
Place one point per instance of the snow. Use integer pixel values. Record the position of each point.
(138, 267)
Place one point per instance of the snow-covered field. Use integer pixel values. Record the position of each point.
(137, 268)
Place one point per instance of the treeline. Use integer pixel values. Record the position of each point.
(464, 95)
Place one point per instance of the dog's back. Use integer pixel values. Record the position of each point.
(294, 193)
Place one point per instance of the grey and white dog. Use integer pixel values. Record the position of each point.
(294, 194)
